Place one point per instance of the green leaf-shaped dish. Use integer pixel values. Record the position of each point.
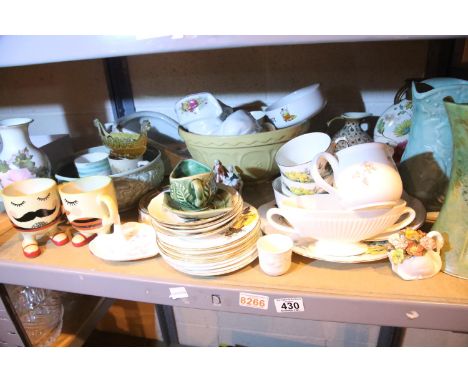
(222, 203)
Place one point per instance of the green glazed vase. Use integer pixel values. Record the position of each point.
(452, 222)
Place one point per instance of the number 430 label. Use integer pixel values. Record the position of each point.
(293, 304)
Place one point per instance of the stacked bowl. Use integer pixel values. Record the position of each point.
(295, 160)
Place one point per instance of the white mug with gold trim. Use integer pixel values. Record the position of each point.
(90, 205)
(33, 207)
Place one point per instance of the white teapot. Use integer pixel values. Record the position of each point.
(365, 176)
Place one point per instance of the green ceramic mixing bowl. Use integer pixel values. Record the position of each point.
(253, 155)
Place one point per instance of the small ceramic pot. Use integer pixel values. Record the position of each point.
(297, 106)
(294, 158)
(274, 253)
(359, 175)
(351, 131)
(192, 184)
(93, 164)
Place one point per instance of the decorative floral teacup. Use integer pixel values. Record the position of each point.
(192, 184)
(91, 207)
(33, 206)
(364, 175)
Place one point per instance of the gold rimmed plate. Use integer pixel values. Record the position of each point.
(246, 222)
(193, 229)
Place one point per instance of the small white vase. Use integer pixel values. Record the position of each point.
(19, 159)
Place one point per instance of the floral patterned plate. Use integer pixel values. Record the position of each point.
(394, 125)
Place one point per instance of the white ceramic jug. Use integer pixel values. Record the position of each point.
(365, 176)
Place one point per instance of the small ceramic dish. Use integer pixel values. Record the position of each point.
(297, 106)
(222, 203)
(197, 106)
(294, 158)
(394, 124)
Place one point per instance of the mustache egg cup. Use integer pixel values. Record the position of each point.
(90, 205)
(33, 207)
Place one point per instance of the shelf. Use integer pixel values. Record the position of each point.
(81, 315)
(355, 293)
(29, 50)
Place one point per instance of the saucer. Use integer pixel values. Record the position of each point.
(418, 221)
(135, 241)
(312, 250)
(222, 203)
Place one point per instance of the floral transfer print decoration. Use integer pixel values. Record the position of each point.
(367, 168)
(19, 167)
(193, 105)
(287, 117)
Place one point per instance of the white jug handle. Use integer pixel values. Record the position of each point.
(397, 226)
(316, 175)
(277, 211)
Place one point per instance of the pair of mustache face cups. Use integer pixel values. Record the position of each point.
(34, 207)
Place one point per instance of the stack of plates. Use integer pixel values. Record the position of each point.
(215, 241)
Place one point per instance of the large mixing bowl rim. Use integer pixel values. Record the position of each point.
(264, 138)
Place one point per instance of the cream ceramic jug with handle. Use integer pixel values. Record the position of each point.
(365, 176)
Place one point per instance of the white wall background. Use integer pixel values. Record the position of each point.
(65, 97)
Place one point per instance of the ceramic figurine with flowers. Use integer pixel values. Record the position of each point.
(415, 255)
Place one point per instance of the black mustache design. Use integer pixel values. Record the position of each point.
(41, 213)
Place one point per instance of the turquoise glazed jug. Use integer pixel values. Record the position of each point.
(452, 222)
(427, 160)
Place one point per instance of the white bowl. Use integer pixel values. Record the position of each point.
(296, 106)
(279, 195)
(294, 158)
(321, 217)
(198, 106)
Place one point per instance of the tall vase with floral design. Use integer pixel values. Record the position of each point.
(19, 159)
(453, 217)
